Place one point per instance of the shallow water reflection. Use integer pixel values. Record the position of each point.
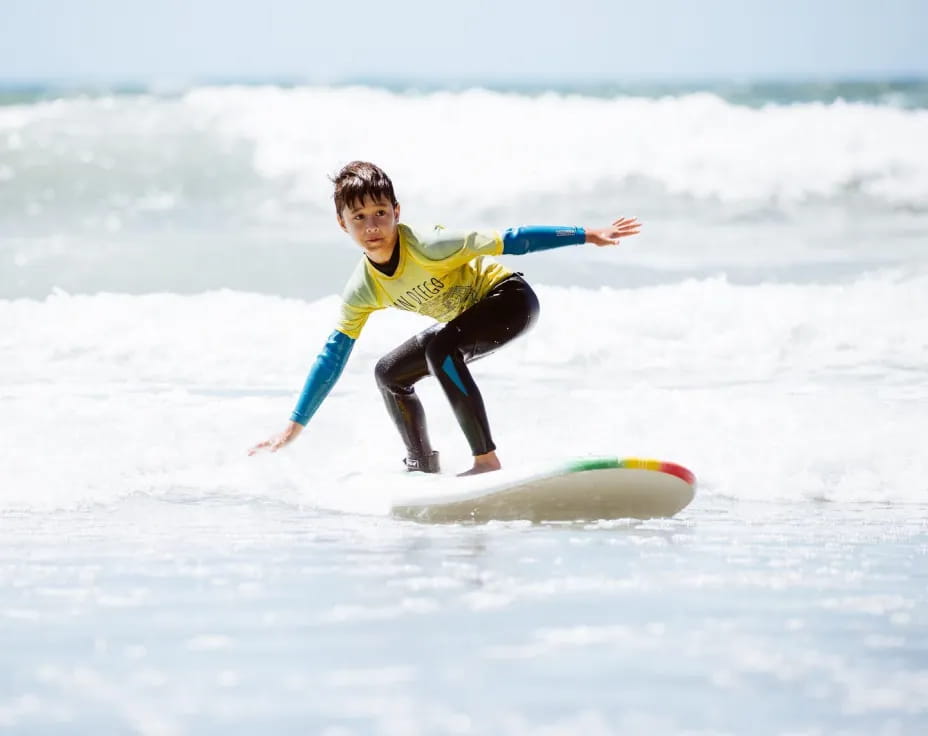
(158, 617)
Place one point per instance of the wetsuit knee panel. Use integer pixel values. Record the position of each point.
(440, 348)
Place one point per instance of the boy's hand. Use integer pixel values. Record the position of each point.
(277, 441)
(622, 228)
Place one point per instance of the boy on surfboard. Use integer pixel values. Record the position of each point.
(478, 304)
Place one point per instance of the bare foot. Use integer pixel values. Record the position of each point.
(483, 464)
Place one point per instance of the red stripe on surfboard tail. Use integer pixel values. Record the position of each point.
(679, 471)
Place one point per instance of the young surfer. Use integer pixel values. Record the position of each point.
(478, 303)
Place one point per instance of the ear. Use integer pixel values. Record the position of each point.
(396, 212)
(341, 223)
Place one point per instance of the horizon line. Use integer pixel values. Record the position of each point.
(178, 82)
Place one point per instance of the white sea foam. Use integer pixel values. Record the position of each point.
(148, 153)
(227, 187)
(779, 391)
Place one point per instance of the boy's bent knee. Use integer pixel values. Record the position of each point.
(383, 373)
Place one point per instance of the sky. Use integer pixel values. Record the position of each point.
(181, 41)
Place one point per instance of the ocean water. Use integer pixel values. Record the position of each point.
(169, 264)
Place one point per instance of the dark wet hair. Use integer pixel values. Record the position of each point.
(359, 180)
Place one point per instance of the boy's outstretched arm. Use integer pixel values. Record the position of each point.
(520, 241)
(325, 372)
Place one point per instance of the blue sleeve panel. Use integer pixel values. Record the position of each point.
(322, 376)
(524, 240)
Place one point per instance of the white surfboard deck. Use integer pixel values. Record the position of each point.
(582, 490)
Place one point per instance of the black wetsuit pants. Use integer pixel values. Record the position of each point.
(444, 350)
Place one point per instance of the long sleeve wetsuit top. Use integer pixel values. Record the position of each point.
(440, 274)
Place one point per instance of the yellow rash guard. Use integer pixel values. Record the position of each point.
(440, 274)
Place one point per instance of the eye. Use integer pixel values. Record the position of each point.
(381, 213)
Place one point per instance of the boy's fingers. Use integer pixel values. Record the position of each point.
(262, 445)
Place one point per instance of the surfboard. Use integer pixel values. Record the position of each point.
(588, 489)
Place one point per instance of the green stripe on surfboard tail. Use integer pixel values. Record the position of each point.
(593, 463)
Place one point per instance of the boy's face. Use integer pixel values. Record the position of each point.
(372, 225)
